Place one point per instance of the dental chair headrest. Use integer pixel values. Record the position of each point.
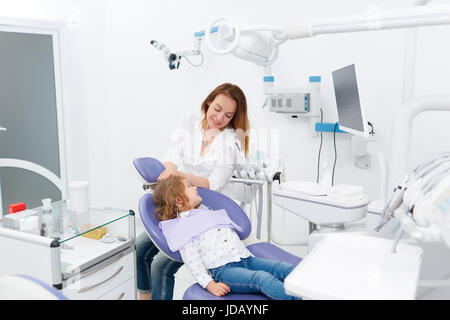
(149, 168)
(211, 199)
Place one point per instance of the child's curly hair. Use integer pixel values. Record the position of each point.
(165, 196)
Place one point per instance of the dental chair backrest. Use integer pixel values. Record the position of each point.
(150, 169)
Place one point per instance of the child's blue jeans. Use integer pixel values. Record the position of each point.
(252, 275)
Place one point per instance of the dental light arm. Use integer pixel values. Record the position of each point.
(260, 43)
(174, 58)
(372, 19)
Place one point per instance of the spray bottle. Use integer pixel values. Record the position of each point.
(46, 216)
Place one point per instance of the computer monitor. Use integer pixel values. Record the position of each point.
(350, 113)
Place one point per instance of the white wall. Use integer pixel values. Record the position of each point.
(122, 101)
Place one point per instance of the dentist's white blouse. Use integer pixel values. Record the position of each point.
(217, 165)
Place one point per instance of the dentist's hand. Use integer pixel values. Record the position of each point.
(167, 173)
(218, 288)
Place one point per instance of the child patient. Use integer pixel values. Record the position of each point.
(210, 247)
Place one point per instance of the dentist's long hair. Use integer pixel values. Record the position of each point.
(240, 122)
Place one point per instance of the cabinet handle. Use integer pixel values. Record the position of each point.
(102, 282)
(121, 296)
(117, 258)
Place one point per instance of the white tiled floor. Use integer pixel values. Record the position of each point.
(183, 280)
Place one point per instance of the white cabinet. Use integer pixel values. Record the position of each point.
(106, 280)
(124, 291)
(82, 263)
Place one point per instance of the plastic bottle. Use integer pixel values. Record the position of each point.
(46, 216)
(43, 230)
(46, 206)
(57, 224)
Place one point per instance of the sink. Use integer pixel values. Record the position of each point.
(318, 208)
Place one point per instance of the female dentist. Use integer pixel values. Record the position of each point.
(207, 146)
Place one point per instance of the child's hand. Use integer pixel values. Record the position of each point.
(218, 288)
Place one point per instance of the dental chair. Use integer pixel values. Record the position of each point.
(25, 287)
(150, 169)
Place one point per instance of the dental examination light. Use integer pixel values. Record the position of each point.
(247, 43)
(421, 203)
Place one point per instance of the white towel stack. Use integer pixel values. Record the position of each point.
(346, 192)
(304, 187)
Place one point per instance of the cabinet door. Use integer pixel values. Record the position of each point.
(100, 279)
(31, 145)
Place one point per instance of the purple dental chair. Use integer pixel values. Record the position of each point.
(150, 169)
(25, 287)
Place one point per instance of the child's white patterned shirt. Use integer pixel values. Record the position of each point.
(214, 248)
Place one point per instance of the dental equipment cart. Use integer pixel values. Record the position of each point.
(87, 256)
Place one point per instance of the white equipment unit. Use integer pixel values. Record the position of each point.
(421, 203)
(320, 209)
(311, 202)
(289, 102)
(357, 267)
